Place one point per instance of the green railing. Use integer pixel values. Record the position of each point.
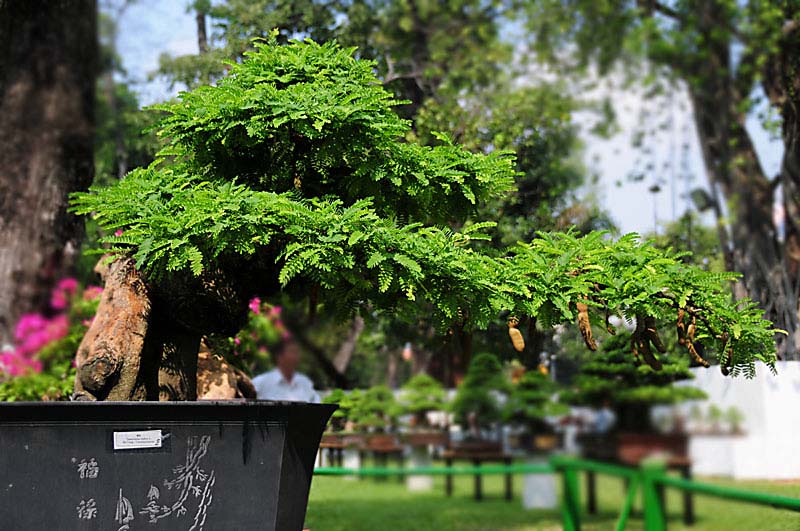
(651, 477)
(435, 470)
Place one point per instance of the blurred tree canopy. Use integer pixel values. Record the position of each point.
(731, 57)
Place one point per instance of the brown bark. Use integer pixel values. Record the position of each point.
(218, 380)
(47, 75)
(348, 346)
(202, 38)
(110, 357)
(766, 262)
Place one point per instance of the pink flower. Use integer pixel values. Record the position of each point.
(92, 292)
(65, 289)
(255, 305)
(118, 233)
(237, 341)
(28, 323)
(275, 311)
(68, 284)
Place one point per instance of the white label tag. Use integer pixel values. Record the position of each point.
(132, 440)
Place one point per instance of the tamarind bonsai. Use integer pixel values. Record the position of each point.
(295, 174)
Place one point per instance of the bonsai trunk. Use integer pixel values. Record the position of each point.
(133, 349)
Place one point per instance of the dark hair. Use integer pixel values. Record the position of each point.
(276, 351)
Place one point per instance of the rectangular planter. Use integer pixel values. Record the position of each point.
(188, 466)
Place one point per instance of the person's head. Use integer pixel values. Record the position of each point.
(287, 357)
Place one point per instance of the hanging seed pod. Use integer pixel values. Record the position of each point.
(681, 326)
(635, 349)
(652, 334)
(695, 355)
(642, 343)
(691, 329)
(585, 326)
(516, 336)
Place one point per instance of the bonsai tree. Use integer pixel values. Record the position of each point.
(294, 174)
(476, 406)
(629, 387)
(375, 409)
(420, 395)
(347, 402)
(531, 400)
(734, 417)
(715, 415)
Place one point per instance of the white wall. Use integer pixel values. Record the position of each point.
(770, 446)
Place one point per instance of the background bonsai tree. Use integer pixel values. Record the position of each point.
(347, 402)
(734, 417)
(629, 387)
(294, 175)
(375, 409)
(476, 405)
(531, 400)
(420, 395)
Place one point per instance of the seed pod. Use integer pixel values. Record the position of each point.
(652, 334)
(681, 327)
(585, 326)
(516, 336)
(695, 355)
(635, 349)
(647, 354)
(691, 329)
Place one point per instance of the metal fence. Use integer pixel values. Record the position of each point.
(651, 478)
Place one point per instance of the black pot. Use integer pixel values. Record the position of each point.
(189, 466)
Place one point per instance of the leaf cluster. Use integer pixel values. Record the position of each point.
(295, 160)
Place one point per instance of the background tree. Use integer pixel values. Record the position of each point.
(630, 389)
(48, 61)
(531, 400)
(725, 54)
(476, 404)
(420, 395)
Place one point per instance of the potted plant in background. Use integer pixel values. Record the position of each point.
(421, 395)
(630, 389)
(530, 402)
(476, 405)
(734, 417)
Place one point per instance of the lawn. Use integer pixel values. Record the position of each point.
(339, 504)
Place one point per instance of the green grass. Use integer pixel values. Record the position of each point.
(339, 504)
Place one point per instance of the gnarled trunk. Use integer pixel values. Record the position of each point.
(144, 341)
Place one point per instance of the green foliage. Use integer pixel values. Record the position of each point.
(420, 395)
(612, 377)
(296, 159)
(476, 396)
(531, 400)
(374, 409)
(347, 403)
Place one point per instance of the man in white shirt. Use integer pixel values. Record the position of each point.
(284, 382)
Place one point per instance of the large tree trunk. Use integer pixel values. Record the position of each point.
(759, 253)
(47, 78)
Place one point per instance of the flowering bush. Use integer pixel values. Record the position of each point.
(40, 364)
(250, 348)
